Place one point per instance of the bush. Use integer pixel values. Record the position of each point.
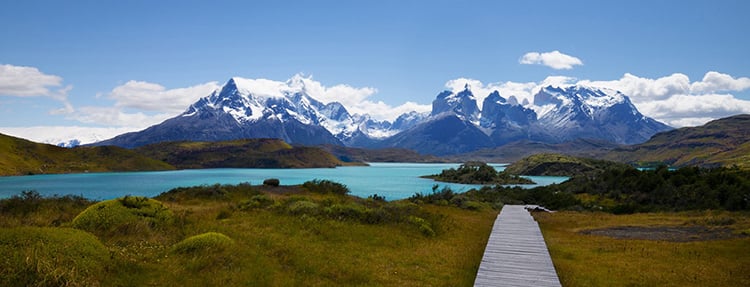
(257, 201)
(423, 225)
(126, 214)
(31, 209)
(202, 252)
(34, 256)
(325, 186)
(303, 207)
(206, 242)
(212, 192)
(472, 205)
(346, 211)
(272, 182)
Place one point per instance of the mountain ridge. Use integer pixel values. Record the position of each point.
(721, 142)
(245, 108)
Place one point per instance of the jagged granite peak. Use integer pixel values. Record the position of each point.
(463, 104)
(505, 121)
(442, 134)
(499, 112)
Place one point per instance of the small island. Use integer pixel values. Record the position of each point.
(476, 172)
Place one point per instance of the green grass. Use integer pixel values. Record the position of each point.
(22, 157)
(129, 214)
(246, 153)
(588, 260)
(35, 256)
(723, 142)
(282, 236)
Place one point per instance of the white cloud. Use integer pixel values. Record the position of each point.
(638, 88)
(115, 116)
(346, 95)
(717, 82)
(154, 97)
(23, 81)
(554, 60)
(382, 111)
(63, 134)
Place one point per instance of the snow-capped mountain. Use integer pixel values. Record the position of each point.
(463, 104)
(586, 112)
(245, 108)
(457, 125)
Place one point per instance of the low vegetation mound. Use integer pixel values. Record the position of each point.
(548, 164)
(325, 186)
(221, 192)
(127, 214)
(362, 155)
(23, 157)
(246, 153)
(206, 242)
(475, 172)
(35, 256)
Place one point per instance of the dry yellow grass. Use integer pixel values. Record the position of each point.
(589, 260)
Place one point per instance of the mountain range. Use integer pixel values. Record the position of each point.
(456, 124)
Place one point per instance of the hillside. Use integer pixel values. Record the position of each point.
(23, 157)
(723, 142)
(352, 154)
(517, 150)
(247, 153)
(559, 165)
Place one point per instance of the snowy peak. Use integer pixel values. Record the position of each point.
(463, 104)
(498, 112)
(590, 98)
(580, 111)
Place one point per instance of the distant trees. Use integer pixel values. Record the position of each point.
(475, 172)
(618, 190)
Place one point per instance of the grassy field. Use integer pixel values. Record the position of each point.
(241, 236)
(592, 260)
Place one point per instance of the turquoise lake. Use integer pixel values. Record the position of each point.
(392, 180)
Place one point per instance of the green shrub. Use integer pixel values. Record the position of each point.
(31, 209)
(303, 207)
(213, 192)
(127, 214)
(206, 242)
(272, 182)
(256, 201)
(34, 256)
(325, 186)
(351, 211)
(423, 225)
(202, 252)
(472, 205)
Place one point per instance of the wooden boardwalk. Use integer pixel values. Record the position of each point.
(516, 254)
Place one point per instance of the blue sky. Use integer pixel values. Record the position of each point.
(85, 64)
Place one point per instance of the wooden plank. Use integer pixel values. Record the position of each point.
(516, 254)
